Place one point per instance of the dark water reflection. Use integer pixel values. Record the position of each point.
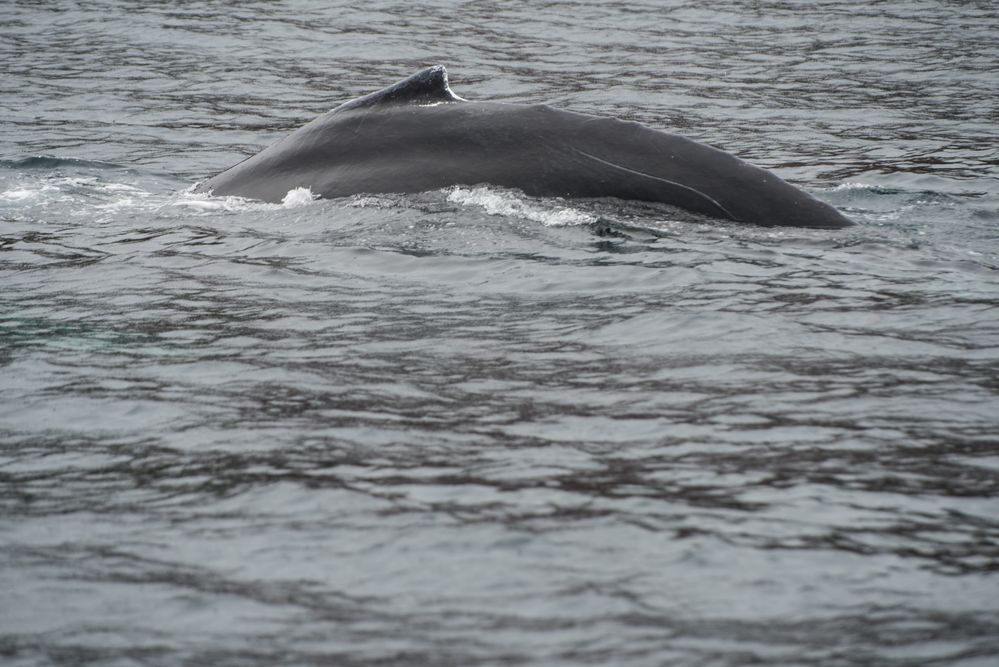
(467, 428)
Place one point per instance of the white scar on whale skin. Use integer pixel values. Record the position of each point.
(656, 178)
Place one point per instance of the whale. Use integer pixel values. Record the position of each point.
(417, 135)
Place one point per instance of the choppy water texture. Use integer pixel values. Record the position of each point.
(473, 428)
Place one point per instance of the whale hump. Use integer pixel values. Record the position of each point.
(428, 86)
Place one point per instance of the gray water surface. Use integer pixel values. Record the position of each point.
(470, 427)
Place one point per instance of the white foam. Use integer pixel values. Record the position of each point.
(22, 194)
(851, 185)
(371, 202)
(201, 201)
(508, 204)
(298, 197)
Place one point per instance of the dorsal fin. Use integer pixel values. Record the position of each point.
(427, 86)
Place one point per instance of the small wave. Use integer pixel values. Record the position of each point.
(495, 202)
(49, 162)
(902, 183)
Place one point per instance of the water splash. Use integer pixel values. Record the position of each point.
(506, 203)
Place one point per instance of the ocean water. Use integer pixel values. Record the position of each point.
(469, 427)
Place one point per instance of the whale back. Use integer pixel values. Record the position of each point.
(417, 136)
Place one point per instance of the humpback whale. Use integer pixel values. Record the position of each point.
(417, 135)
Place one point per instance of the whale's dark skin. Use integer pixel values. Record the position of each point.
(417, 135)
